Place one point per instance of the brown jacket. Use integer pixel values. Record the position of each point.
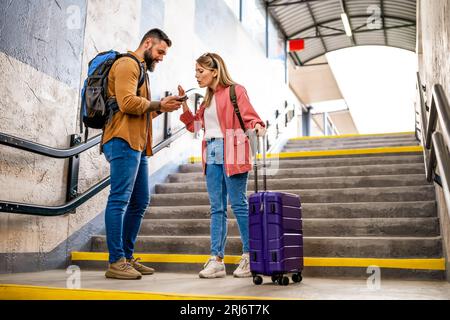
(131, 122)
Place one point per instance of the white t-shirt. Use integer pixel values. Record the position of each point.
(212, 126)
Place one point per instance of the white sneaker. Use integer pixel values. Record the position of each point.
(213, 269)
(243, 270)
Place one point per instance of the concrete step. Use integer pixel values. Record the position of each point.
(361, 170)
(417, 209)
(350, 141)
(356, 227)
(361, 247)
(324, 142)
(391, 194)
(364, 273)
(335, 154)
(337, 146)
(308, 183)
(316, 140)
(308, 272)
(294, 148)
(322, 162)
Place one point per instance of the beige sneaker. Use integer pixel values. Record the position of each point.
(213, 269)
(122, 270)
(243, 270)
(144, 270)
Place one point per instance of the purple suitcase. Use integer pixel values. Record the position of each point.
(275, 232)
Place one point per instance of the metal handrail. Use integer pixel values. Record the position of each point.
(423, 123)
(37, 148)
(33, 147)
(439, 110)
(52, 211)
(75, 202)
(436, 143)
(166, 143)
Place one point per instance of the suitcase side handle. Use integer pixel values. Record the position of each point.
(255, 164)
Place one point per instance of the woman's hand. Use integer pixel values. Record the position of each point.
(181, 93)
(260, 130)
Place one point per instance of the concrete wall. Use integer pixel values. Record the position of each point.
(433, 50)
(44, 50)
(40, 61)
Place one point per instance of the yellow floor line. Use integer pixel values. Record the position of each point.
(330, 153)
(351, 136)
(26, 292)
(416, 264)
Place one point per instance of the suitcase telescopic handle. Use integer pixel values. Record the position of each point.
(255, 166)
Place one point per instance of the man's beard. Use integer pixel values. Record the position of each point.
(149, 60)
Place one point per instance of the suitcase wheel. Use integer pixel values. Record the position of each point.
(297, 277)
(283, 281)
(257, 280)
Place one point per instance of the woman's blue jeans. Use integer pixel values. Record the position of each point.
(128, 199)
(219, 186)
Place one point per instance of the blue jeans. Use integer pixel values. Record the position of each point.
(219, 186)
(128, 199)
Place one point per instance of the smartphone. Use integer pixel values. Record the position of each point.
(183, 98)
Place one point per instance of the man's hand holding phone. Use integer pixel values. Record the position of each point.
(173, 103)
(170, 104)
(183, 98)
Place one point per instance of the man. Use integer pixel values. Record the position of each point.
(126, 143)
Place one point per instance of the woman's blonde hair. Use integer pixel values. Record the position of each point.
(212, 61)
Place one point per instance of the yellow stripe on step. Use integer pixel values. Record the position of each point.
(416, 264)
(25, 292)
(194, 159)
(351, 136)
(330, 153)
(343, 152)
(147, 257)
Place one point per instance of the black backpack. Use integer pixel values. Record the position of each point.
(96, 108)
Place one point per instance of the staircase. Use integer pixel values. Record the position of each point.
(365, 202)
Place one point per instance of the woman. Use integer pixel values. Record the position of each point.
(225, 157)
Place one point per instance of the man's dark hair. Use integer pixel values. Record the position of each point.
(157, 34)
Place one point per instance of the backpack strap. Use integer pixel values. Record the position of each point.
(81, 113)
(141, 68)
(236, 107)
(112, 102)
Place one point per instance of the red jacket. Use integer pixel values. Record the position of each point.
(237, 155)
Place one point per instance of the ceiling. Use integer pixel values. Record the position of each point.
(373, 22)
